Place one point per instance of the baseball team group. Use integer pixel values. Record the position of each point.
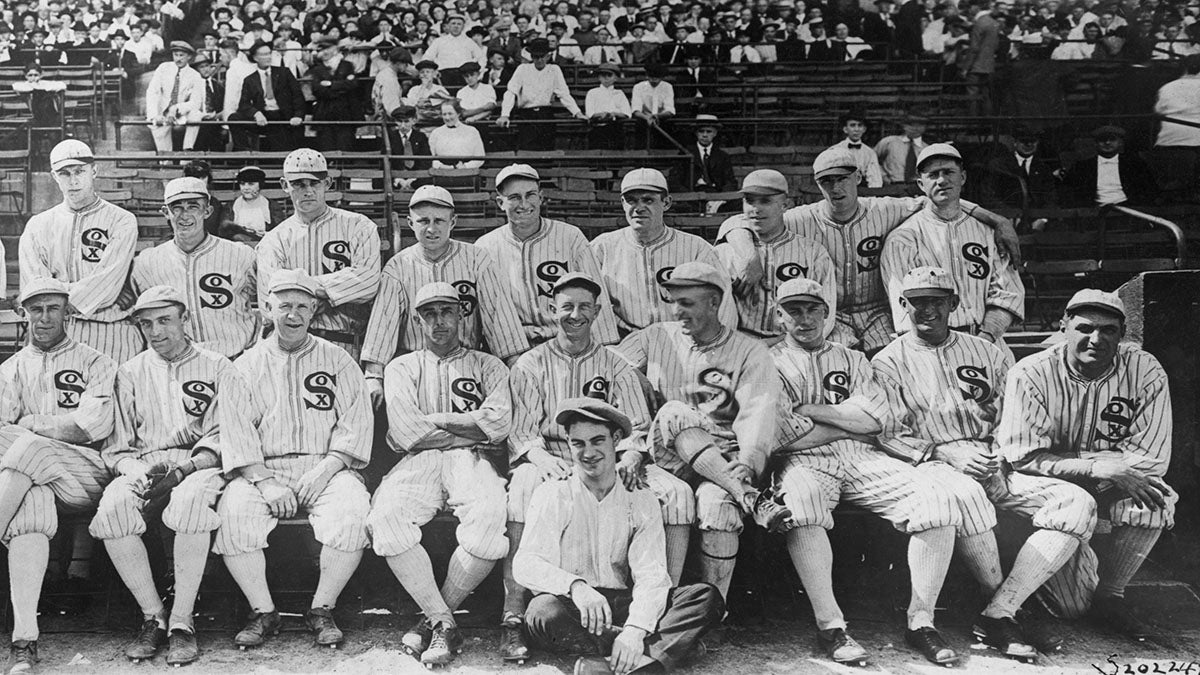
(584, 408)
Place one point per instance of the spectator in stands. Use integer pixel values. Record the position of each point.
(1180, 99)
(141, 45)
(821, 47)
(478, 100)
(428, 95)
(853, 47)
(269, 94)
(173, 99)
(452, 49)
(498, 70)
(898, 153)
(455, 138)
(1112, 176)
(335, 88)
(605, 50)
(638, 50)
(790, 47)
(675, 53)
(607, 109)
(745, 54)
(288, 52)
(406, 139)
(37, 51)
(712, 168)
(1074, 50)
(42, 96)
(878, 28)
(979, 63)
(211, 137)
(531, 90)
(696, 80)
(386, 93)
(502, 39)
(1012, 174)
(253, 214)
(237, 67)
(770, 39)
(854, 126)
(79, 50)
(653, 104)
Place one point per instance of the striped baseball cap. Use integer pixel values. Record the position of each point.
(1094, 298)
(187, 187)
(438, 291)
(799, 288)
(294, 280)
(592, 409)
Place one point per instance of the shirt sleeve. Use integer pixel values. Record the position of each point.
(270, 258)
(494, 417)
(388, 314)
(11, 406)
(635, 348)
(886, 393)
(647, 564)
(238, 415)
(563, 92)
(407, 425)
(727, 312)
(605, 328)
(758, 394)
(498, 312)
(510, 92)
(538, 562)
(1005, 289)
(1148, 446)
(359, 281)
(119, 444)
(668, 98)
(899, 252)
(100, 287)
(529, 403)
(629, 398)
(351, 436)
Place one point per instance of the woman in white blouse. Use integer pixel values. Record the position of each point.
(455, 138)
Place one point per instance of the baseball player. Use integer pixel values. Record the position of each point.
(571, 365)
(852, 230)
(820, 465)
(937, 394)
(164, 452)
(716, 425)
(635, 260)
(55, 406)
(1097, 413)
(448, 410)
(339, 248)
(311, 434)
(595, 556)
(783, 254)
(88, 243)
(489, 314)
(215, 276)
(534, 252)
(991, 295)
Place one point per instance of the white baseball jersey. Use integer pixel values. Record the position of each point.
(489, 313)
(164, 405)
(1052, 413)
(310, 401)
(340, 250)
(732, 380)
(465, 381)
(632, 272)
(785, 257)
(217, 279)
(533, 266)
(964, 247)
(71, 381)
(829, 374)
(90, 250)
(924, 396)
(547, 374)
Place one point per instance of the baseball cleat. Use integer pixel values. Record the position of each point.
(840, 647)
(512, 640)
(147, 641)
(592, 665)
(931, 644)
(24, 656)
(255, 633)
(416, 640)
(324, 628)
(1040, 631)
(1005, 636)
(445, 644)
(770, 514)
(182, 648)
(1119, 616)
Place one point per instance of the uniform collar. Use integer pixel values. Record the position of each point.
(66, 343)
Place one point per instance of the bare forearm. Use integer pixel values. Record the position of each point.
(58, 428)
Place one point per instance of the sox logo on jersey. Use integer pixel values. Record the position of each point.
(198, 395)
(788, 271)
(467, 296)
(869, 249)
(1117, 417)
(94, 241)
(216, 290)
(597, 387)
(548, 273)
(975, 383)
(836, 384)
(320, 387)
(660, 276)
(337, 252)
(976, 256)
(70, 385)
(465, 395)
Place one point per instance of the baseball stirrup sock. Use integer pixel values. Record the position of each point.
(929, 555)
(514, 593)
(128, 555)
(415, 573)
(28, 555)
(249, 570)
(464, 573)
(718, 555)
(1127, 550)
(696, 448)
(336, 569)
(808, 545)
(191, 553)
(678, 537)
(1044, 552)
(981, 556)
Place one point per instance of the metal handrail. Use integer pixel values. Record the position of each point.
(1175, 230)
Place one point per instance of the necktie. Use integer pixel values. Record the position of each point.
(745, 58)
(175, 89)
(854, 146)
(910, 162)
(408, 150)
(704, 156)
(268, 87)
(1025, 166)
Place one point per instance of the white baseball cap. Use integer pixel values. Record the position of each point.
(70, 152)
(925, 281)
(431, 194)
(644, 179)
(438, 291)
(764, 182)
(305, 163)
(936, 150)
(834, 161)
(694, 273)
(799, 288)
(1097, 299)
(158, 296)
(516, 171)
(41, 286)
(293, 280)
(187, 187)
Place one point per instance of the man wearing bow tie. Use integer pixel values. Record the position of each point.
(854, 125)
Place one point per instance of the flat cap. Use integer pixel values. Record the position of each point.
(834, 161)
(577, 279)
(293, 280)
(610, 68)
(924, 281)
(438, 291)
(516, 171)
(426, 64)
(936, 150)
(644, 179)
(186, 187)
(201, 59)
(468, 67)
(431, 194)
(1094, 298)
(764, 182)
(694, 273)
(799, 288)
(592, 409)
(538, 47)
(1108, 130)
(181, 46)
(41, 286)
(158, 296)
(305, 163)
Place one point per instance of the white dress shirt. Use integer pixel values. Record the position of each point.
(653, 100)
(449, 51)
(606, 100)
(533, 88)
(1108, 181)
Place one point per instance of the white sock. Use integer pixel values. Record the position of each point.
(13, 488)
(249, 570)
(128, 555)
(696, 448)
(678, 537)
(1126, 551)
(514, 593)
(415, 573)
(929, 555)
(336, 569)
(1044, 552)
(809, 549)
(28, 555)
(981, 556)
(191, 554)
(463, 575)
(718, 556)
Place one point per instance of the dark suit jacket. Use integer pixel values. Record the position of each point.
(216, 98)
(826, 50)
(1136, 180)
(420, 146)
(1004, 177)
(673, 53)
(875, 29)
(338, 101)
(505, 76)
(718, 175)
(287, 94)
(685, 84)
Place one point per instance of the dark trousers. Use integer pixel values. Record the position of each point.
(606, 136)
(534, 136)
(553, 622)
(335, 137)
(979, 88)
(210, 138)
(275, 138)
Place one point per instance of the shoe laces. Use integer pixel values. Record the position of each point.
(439, 639)
(148, 630)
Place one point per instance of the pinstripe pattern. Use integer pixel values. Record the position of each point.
(65, 476)
(632, 273)
(218, 281)
(119, 340)
(534, 265)
(829, 375)
(340, 250)
(964, 247)
(490, 316)
(71, 380)
(786, 257)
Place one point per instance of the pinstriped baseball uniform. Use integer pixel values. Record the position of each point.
(787, 256)
(813, 481)
(166, 412)
(304, 404)
(218, 280)
(534, 265)
(546, 375)
(632, 272)
(341, 251)
(70, 381)
(91, 250)
(964, 247)
(489, 313)
(421, 383)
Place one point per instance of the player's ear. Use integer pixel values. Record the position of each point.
(499, 201)
(453, 219)
(208, 209)
(283, 184)
(904, 302)
(327, 182)
(954, 300)
(165, 210)
(666, 202)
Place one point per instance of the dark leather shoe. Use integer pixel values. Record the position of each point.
(932, 646)
(1003, 635)
(182, 648)
(255, 633)
(147, 641)
(1119, 616)
(840, 647)
(320, 622)
(512, 640)
(24, 656)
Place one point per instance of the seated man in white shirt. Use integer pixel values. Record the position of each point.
(613, 602)
(653, 104)
(478, 100)
(607, 109)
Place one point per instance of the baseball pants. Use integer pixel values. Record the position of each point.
(118, 340)
(553, 621)
(867, 328)
(338, 515)
(420, 485)
(715, 508)
(190, 510)
(65, 476)
(676, 497)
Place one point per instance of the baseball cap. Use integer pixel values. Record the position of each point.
(644, 179)
(181, 46)
(799, 288)
(293, 280)
(926, 281)
(938, 150)
(610, 68)
(834, 162)
(431, 194)
(592, 409)
(187, 187)
(1097, 299)
(41, 286)
(694, 273)
(576, 279)
(305, 163)
(438, 291)
(764, 182)
(201, 60)
(516, 171)
(70, 152)
(158, 296)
